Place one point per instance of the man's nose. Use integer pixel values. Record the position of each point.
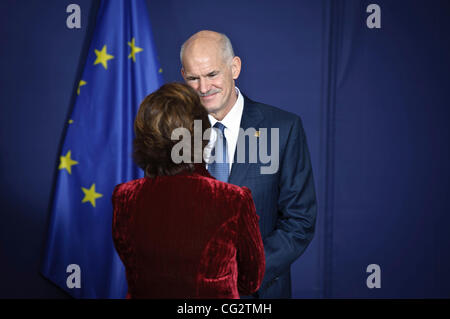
(203, 85)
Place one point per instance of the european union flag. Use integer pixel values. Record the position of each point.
(121, 69)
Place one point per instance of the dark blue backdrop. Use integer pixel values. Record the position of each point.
(373, 103)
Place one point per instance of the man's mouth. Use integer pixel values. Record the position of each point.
(209, 97)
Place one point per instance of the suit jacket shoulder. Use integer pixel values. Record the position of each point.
(273, 114)
(267, 116)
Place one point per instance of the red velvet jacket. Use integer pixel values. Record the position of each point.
(187, 236)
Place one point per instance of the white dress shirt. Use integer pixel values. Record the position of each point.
(232, 122)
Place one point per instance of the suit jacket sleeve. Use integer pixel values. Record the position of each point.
(250, 249)
(296, 207)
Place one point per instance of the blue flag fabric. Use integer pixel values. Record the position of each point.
(121, 69)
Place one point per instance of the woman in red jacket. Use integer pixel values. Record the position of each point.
(179, 232)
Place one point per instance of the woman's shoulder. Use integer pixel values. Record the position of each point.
(124, 189)
(234, 191)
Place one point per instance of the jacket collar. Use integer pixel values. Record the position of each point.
(251, 117)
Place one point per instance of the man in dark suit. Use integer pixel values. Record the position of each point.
(285, 199)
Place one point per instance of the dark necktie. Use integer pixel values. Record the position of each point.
(219, 168)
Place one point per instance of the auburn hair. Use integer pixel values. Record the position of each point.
(173, 105)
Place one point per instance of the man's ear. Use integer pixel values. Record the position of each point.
(236, 67)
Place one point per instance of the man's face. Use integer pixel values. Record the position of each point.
(207, 72)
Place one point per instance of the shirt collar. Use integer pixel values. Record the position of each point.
(232, 120)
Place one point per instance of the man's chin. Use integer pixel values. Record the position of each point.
(211, 109)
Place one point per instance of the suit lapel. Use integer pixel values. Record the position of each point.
(251, 117)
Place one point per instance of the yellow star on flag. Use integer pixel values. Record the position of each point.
(103, 57)
(80, 85)
(134, 49)
(66, 162)
(90, 195)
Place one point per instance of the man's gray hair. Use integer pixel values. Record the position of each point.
(227, 48)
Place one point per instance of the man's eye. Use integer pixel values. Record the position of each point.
(191, 79)
(212, 75)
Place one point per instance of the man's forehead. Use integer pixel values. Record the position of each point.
(202, 55)
(203, 64)
(201, 70)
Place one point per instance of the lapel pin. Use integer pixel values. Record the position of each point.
(257, 133)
